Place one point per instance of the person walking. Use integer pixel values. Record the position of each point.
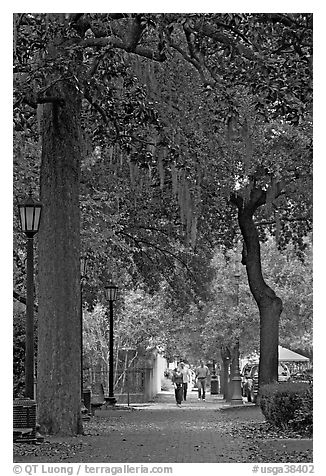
(186, 378)
(177, 380)
(202, 373)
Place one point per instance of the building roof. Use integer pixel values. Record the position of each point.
(287, 355)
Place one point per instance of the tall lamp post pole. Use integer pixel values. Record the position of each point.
(29, 215)
(236, 379)
(111, 295)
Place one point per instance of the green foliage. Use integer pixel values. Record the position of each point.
(271, 53)
(166, 384)
(18, 355)
(143, 319)
(155, 136)
(224, 322)
(95, 338)
(303, 416)
(288, 406)
(19, 339)
(291, 276)
(140, 324)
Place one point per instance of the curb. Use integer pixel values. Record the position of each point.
(228, 406)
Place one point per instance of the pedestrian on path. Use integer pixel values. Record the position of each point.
(186, 378)
(202, 373)
(177, 381)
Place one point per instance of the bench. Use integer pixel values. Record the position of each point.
(24, 434)
(24, 420)
(97, 397)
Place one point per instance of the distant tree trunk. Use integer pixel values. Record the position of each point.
(225, 383)
(58, 383)
(269, 305)
(234, 355)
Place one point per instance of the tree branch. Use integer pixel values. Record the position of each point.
(271, 222)
(22, 299)
(152, 245)
(135, 34)
(112, 42)
(150, 228)
(194, 62)
(211, 32)
(50, 99)
(282, 18)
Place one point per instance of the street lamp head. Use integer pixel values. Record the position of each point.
(30, 215)
(237, 275)
(111, 292)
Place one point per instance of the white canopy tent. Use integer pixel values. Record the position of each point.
(287, 355)
(293, 360)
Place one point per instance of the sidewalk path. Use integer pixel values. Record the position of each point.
(161, 432)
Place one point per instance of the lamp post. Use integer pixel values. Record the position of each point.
(236, 378)
(111, 295)
(29, 215)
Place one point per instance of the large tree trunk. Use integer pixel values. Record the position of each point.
(225, 381)
(59, 346)
(269, 305)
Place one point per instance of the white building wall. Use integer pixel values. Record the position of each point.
(161, 366)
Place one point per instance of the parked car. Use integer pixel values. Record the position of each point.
(250, 380)
(305, 376)
(284, 373)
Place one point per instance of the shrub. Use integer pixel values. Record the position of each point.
(19, 338)
(288, 406)
(166, 384)
(18, 356)
(303, 416)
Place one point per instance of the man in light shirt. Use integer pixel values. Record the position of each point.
(202, 373)
(186, 378)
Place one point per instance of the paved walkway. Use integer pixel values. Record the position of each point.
(161, 432)
(166, 401)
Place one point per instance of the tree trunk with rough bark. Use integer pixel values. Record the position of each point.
(59, 346)
(225, 383)
(269, 305)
